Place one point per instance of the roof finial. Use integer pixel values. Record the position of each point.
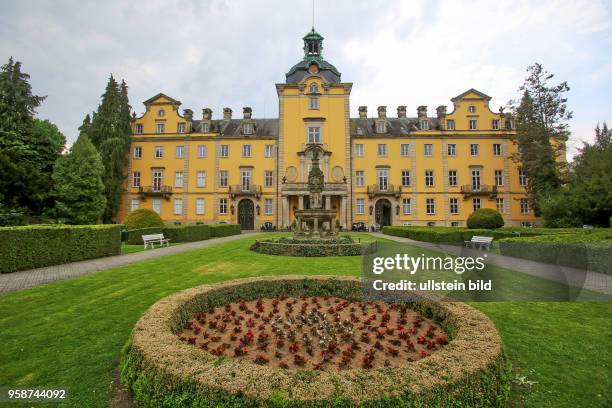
(313, 6)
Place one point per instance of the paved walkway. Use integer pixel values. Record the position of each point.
(11, 282)
(594, 281)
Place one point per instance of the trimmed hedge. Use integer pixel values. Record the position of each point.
(143, 218)
(342, 246)
(485, 218)
(37, 246)
(185, 233)
(591, 251)
(160, 370)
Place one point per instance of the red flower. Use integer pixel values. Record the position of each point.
(441, 339)
(424, 353)
(294, 347)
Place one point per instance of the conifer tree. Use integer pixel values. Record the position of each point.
(78, 188)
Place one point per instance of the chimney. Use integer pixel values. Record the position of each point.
(422, 111)
(363, 111)
(206, 114)
(188, 114)
(401, 111)
(246, 112)
(227, 113)
(441, 111)
(382, 111)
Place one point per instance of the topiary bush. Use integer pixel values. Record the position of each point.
(37, 246)
(161, 370)
(224, 230)
(143, 218)
(486, 218)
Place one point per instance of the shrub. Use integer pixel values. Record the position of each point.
(43, 245)
(159, 369)
(184, 233)
(187, 233)
(143, 218)
(224, 230)
(485, 218)
(342, 246)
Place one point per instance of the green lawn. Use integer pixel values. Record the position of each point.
(69, 333)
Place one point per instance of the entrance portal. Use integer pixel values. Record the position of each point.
(246, 214)
(383, 212)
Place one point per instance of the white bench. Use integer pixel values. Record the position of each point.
(155, 238)
(482, 242)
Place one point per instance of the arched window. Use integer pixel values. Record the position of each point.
(314, 88)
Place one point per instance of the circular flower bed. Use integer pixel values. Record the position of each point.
(341, 246)
(165, 362)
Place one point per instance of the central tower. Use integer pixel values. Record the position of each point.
(314, 119)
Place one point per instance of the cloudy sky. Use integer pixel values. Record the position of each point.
(231, 53)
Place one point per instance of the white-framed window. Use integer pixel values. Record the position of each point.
(499, 204)
(524, 205)
(137, 152)
(406, 178)
(499, 177)
(383, 179)
(223, 176)
(359, 151)
(246, 150)
(313, 102)
(158, 179)
(268, 178)
(405, 149)
(473, 124)
(247, 129)
(201, 178)
(314, 88)
(314, 134)
(202, 151)
(178, 179)
(474, 149)
(223, 206)
(428, 149)
(359, 178)
(134, 204)
(430, 206)
(180, 152)
(452, 178)
(135, 179)
(224, 150)
(495, 124)
(475, 179)
(157, 203)
(200, 206)
(424, 124)
(527, 224)
(139, 128)
(180, 127)
(268, 206)
(160, 128)
(508, 124)
(429, 178)
(496, 149)
(451, 149)
(450, 124)
(245, 179)
(522, 178)
(476, 204)
(178, 206)
(382, 149)
(471, 109)
(205, 127)
(455, 224)
(454, 205)
(159, 152)
(269, 150)
(381, 127)
(406, 207)
(360, 206)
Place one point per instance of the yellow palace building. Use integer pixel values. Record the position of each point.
(429, 169)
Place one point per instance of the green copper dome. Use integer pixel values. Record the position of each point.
(313, 54)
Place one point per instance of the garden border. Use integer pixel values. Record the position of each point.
(156, 366)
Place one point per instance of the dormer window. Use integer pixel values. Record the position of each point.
(205, 127)
(161, 113)
(472, 109)
(313, 103)
(508, 125)
(381, 127)
(139, 128)
(180, 127)
(424, 125)
(314, 88)
(247, 129)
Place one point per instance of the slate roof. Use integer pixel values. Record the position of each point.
(366, 127)
(300, 70)
(231, 128)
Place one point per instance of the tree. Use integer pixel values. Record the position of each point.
(78, 189)
(587, 197)
(541, 133)
(110, 131)
(28, 146)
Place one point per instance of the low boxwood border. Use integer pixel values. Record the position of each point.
(160, 370)
(185, 233)
(312, 248)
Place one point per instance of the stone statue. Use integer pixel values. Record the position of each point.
(316, 182)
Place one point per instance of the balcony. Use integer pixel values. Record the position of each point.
(303, 187)
(469, 190)
(155, 191)
(374, 190)
(244, 190)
